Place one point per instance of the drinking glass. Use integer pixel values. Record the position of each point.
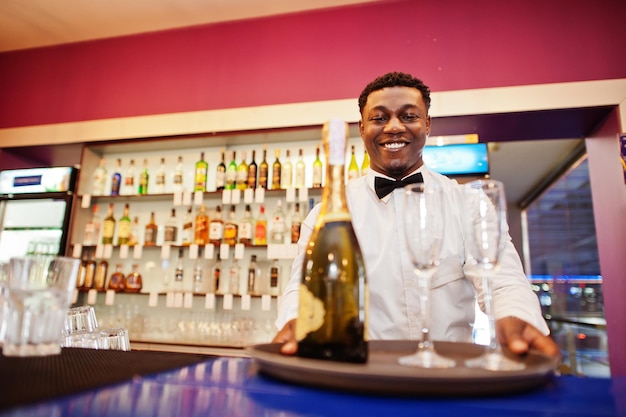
(424, 228)
(486, 237)
(39, 292)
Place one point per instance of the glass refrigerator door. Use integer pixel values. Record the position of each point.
(31, 226)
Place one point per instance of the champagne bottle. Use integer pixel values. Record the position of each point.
(200, 174)
(116, 178)
(263, 169)
(365, 166)
(317, 169)
(331, 320)
(108, 229)
(220, 174)
(144, 178)
(353, 168)
(276, 170)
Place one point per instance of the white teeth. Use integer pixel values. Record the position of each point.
(395, 145)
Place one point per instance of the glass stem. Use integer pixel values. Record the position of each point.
(494, 344)
(424, 289)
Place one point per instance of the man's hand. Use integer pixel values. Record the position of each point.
(520, 336)
(287, 336)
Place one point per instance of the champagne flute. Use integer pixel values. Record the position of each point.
(486, 237)
(424, 227)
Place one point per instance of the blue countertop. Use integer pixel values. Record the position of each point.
(233, 387)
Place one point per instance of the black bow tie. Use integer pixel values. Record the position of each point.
(383, 186)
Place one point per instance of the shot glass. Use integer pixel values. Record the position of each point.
(114, 339)
(80, 319)
(39, 291)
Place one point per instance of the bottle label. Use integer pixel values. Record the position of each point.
(230, 234)
(216, 230)
(129, 181)
(170, 234)
(150, 236)
(160, 179)
(317, 176)
(260, 233)
(245, 231)
(108, 230)
(178, 178)
(311, 313)
(124, 230)
(220, 179)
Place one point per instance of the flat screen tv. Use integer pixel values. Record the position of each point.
(458, 159)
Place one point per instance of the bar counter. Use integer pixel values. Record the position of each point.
(165, 384)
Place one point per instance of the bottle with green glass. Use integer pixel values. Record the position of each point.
(202, 167)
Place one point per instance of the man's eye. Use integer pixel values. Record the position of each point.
(410, 117)
(378, 118)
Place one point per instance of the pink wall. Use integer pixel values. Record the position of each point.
(320, 55)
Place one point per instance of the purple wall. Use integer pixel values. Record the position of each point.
(311, 56)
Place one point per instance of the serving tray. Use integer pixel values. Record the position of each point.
(383, 375)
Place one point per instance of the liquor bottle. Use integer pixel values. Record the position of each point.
(216, 227)
(245, 227)
(116, 281)
(178, 178)
(252, 172)
(92, 228)
(129, 179)
(202, 168)
(188, 228)
(253, 273)
(201, 227)
(274, 278)
(144, 179)
(133, 282)
(151, 232)
(300, 171)
(276, 170)
(220, 175)
(216, 272)
(90, 274)
(80, 279)
(242, 173)
(353, 168)
(231, 228)
(260, 228)
(99, 179)
(317, 169)
(365, 166)
(198, 272)
(179, 271)
(231, 173)
(116, 178)
(263, 169)
(108, 229)
(277, 233)
(133, 238)
(123, 227)
(159, 180)
(170, 236)
(100, 278)
(331, 315)
(287, 172)
(234, 278)
(296, 223)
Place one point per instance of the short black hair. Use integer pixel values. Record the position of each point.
(394, 79)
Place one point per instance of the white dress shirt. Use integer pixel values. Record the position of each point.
(393, 293)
